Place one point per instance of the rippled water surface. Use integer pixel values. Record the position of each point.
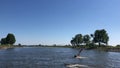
(43, 57)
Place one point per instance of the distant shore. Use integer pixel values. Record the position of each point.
(113, 49)
(106, 48)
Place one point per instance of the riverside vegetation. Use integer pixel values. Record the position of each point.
(8, 41)
(98, 40)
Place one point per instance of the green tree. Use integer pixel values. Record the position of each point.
(86, 39)
(101, 36)
(10, 39)
(73, 42)
(77, 40)
(3, 41)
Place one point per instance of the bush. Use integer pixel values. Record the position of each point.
(117, 45)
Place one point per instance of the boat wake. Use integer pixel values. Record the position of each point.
(76, 66)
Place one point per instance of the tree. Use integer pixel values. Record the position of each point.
(3, 41)
(86, 39)
(19, 44)
(105, 37)
(10, 39)
(101, 36)
(72, 42)
(77, 40)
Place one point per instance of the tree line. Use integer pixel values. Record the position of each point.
(99, 36)
(9, 39)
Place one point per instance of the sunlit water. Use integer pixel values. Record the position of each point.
(44, 57)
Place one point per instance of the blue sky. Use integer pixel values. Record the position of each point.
(57, 21)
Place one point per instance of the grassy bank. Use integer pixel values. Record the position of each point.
(102, 47)
(6, 46)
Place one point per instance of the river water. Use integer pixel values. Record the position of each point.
(48, 57)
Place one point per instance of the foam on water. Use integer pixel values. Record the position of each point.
(80, 57)
(76, 66)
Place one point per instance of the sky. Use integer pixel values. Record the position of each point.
(57, 21)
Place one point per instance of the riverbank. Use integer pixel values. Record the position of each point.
(106, 48)
(6, 46)
(114, 49)
(102, 48)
